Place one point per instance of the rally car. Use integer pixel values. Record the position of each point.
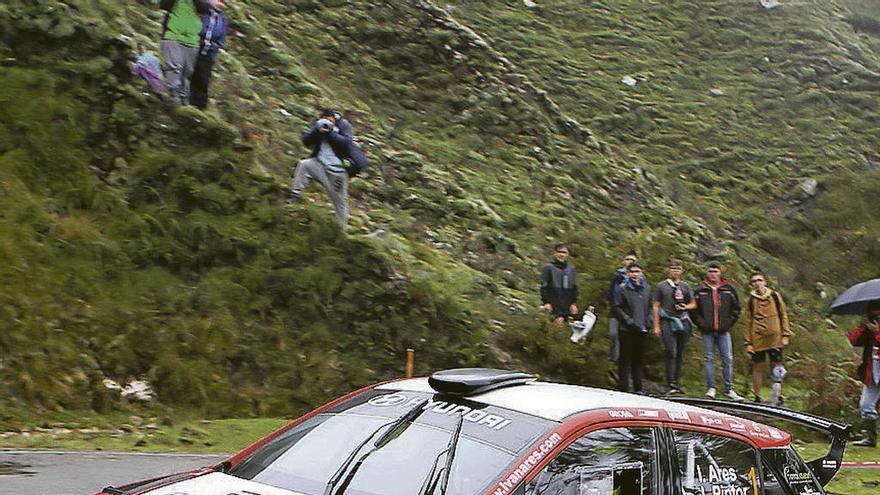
(492, 432)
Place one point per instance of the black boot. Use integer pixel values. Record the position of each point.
(870, 439)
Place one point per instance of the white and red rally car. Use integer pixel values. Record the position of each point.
(492, 432)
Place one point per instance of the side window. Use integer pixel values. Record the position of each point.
(792, 470)
(711, 464)
(615, 461)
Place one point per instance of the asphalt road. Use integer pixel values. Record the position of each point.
(84, 473)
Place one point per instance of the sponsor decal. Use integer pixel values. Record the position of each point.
(736, 425)
(644, 413)
(470, 414)
(678, 415)
(505, 486)
(710, 420)
(621, 414)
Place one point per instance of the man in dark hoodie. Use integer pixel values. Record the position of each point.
(180, 44)
(617, 278)
(717, 309)
(332, 142)
(633, 309)
(559, 290)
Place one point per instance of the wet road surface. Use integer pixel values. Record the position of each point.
(84, 473)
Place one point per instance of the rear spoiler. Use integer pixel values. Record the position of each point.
(824, 467)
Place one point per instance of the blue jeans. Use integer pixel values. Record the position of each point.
(868, 402)
(722, 341)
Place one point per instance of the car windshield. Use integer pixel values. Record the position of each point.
(305, 458)
(786, 464)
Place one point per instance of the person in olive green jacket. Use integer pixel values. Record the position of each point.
(767, 334)
(181, 32)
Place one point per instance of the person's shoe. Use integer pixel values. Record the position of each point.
(732, 395)
(870, 439)
(757, 399)
(710, 393)
(674, 389)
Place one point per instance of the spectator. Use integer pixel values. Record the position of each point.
(559, 290)
(332, 141)
(632, 307)
(671, 321)
(617, 278)
(867, 336)
(718, 308)
(180, 44)
(767, 334)
(213, 35)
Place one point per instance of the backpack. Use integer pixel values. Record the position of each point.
(147, 67)
(357, 161)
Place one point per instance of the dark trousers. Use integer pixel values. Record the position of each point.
(201, 78)
(674, 343)
(632, 348)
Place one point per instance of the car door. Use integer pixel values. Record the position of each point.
(610, 461)
(711, 464)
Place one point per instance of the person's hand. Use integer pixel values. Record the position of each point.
(547, 307)
(218, 4)
(656, 330)
(750, 349)
(785, 341)
(873, 326)
(573, 309)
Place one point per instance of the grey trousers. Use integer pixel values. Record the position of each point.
(336, 185)
(179, 64)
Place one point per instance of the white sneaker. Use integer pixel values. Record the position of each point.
(732, 395)
(710, 393)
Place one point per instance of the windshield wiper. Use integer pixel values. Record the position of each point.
(380, 442)
(429, 485)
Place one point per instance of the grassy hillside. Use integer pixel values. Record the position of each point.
(139, 240)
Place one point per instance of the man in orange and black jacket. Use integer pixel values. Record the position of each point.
(716, 308)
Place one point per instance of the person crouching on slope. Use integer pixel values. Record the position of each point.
(332, 142)
(559, 290)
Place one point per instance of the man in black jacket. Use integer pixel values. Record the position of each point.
(633, 309)
(559, 290)
(332, 142)
(717, 309)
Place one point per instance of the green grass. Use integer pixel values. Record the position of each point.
(116, 432)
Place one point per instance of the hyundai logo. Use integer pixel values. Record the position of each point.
(389, 400)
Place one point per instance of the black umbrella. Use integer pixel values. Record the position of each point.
(854, 301)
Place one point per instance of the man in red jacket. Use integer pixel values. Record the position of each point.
(867, 336)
